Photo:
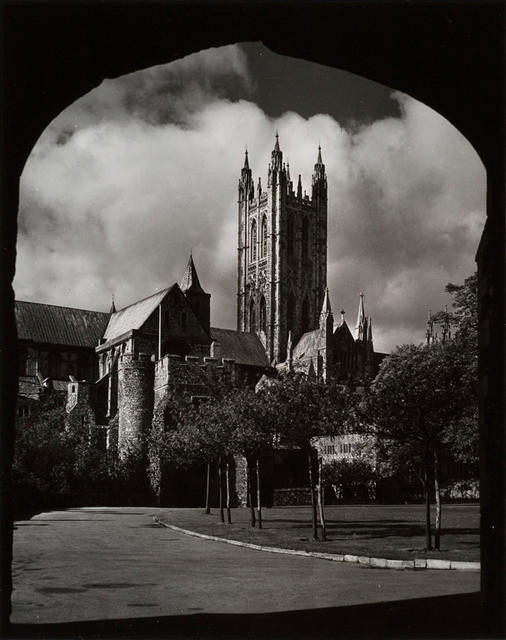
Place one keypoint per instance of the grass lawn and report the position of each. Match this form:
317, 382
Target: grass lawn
383, 531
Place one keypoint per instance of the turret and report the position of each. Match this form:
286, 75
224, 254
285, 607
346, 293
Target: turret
361, 320
429, 330
197, 298
327, 330
319, 178
246, 189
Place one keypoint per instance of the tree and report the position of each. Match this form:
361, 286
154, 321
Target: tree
305, 409
350, 478
462, 432
418, 392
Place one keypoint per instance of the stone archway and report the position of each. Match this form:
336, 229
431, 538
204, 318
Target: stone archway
449, 57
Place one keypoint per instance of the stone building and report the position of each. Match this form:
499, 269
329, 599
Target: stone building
116, 367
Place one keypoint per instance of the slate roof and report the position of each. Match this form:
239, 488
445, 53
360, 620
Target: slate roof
49, 324
135, 315
190, 280
28, 386
308, 345
244, 348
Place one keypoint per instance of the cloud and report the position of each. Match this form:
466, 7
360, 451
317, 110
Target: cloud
127, 180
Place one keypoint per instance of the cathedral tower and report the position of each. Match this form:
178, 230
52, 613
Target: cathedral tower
282, 254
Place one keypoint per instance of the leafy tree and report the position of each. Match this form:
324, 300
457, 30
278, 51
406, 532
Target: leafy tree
350, 478
305, 409
418, 392
462, 432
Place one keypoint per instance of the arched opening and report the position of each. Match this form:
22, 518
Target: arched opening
253, 242
263, 238
305, 315
263, 315
252, 315
488, 273
305, 240
291, 310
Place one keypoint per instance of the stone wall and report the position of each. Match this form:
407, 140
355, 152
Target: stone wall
135, 403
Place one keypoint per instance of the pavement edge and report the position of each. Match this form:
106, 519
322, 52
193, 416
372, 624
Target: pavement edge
383, 563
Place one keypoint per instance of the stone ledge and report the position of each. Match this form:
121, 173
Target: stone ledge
384, 563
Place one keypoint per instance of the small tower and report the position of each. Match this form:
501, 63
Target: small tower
197, 298
327, 332
361, 327
429, 331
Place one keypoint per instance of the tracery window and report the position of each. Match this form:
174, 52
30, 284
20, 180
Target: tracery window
305, 314
263, 238
305, 239
263, 315
252, 319
290, 312
290, 235
253, 241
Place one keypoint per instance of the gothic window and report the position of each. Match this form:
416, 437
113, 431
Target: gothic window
252, 319
290, 313
305, 239
263, 238
253, 241
305, 315
289, 235
263, 315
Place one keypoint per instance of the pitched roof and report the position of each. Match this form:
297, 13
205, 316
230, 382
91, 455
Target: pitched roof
49, 324
244, 348
135, 315
308, 345
190, 279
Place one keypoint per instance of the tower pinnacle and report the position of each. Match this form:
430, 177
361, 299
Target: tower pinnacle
190, 279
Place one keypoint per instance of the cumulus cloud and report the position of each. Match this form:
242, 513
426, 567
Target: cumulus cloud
127, 180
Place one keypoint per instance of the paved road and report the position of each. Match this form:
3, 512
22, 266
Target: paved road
116, 564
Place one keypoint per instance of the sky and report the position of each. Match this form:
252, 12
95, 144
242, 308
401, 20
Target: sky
131, 177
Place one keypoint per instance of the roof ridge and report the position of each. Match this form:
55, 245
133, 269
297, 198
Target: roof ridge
167, 289
59, 306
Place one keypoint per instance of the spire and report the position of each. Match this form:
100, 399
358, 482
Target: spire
360, 318
429, 332
190, 279
343, 321
326, 316
246, 163
299, 188
326, 302
319, 161
277, 156
287, 170
369, 330
319, 178
113, 306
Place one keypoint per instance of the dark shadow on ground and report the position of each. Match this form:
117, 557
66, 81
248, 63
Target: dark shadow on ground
456, 616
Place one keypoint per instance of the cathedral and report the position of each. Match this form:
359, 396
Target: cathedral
116, 367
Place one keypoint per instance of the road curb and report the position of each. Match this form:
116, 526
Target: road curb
383, 563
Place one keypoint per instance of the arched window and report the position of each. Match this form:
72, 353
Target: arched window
252, 319
305, 239
290, 313
305, 315
263, 315
253, 241
263, 238
289, 235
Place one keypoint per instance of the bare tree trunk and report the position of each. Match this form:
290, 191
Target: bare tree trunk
220, 490
208, 489
227, 484
321, 501
437, 491
428, 537
313, 501
249, 480
259, 498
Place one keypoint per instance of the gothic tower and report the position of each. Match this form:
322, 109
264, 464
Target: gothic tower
282, 254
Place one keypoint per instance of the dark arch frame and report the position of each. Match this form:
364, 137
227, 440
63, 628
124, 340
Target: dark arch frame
449, 56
